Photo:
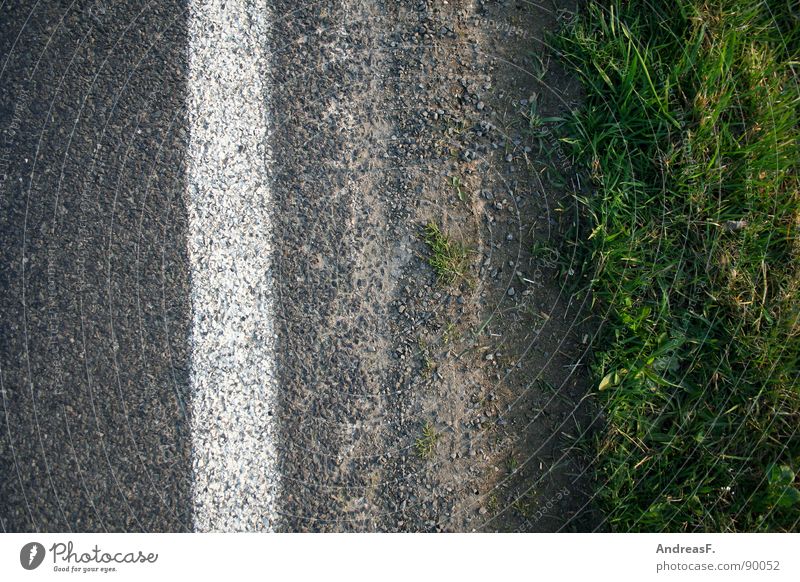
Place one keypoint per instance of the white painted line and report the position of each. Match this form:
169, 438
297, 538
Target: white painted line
230, 244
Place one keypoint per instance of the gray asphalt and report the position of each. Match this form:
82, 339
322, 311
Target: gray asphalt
94, 306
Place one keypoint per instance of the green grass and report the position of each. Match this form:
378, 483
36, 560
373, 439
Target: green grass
455, 182
425, 444
689, 131
447, 258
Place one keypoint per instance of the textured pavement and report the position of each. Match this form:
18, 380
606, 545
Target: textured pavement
94, 292
216, 306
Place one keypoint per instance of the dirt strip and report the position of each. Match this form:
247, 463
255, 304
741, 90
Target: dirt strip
408, 404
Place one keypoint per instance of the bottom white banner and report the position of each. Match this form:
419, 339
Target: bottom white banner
460, 557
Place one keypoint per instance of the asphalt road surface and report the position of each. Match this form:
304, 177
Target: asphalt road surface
217, 311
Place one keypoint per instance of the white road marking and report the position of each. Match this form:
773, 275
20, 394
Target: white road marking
230, 245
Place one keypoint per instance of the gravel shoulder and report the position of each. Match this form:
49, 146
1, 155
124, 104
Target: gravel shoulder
390, 116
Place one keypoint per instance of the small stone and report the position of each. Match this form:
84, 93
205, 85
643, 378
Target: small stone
481, 105
511, 292
735, 225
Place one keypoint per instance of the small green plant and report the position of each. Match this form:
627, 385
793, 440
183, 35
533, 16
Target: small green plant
492, 503
455, 182
426, 442
527, 504
539, 65
545, 251
448, 258
427, 362
450, 333
512, 464
781, 491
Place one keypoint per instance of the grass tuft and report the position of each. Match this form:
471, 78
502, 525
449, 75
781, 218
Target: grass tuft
447, 258
426, 442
